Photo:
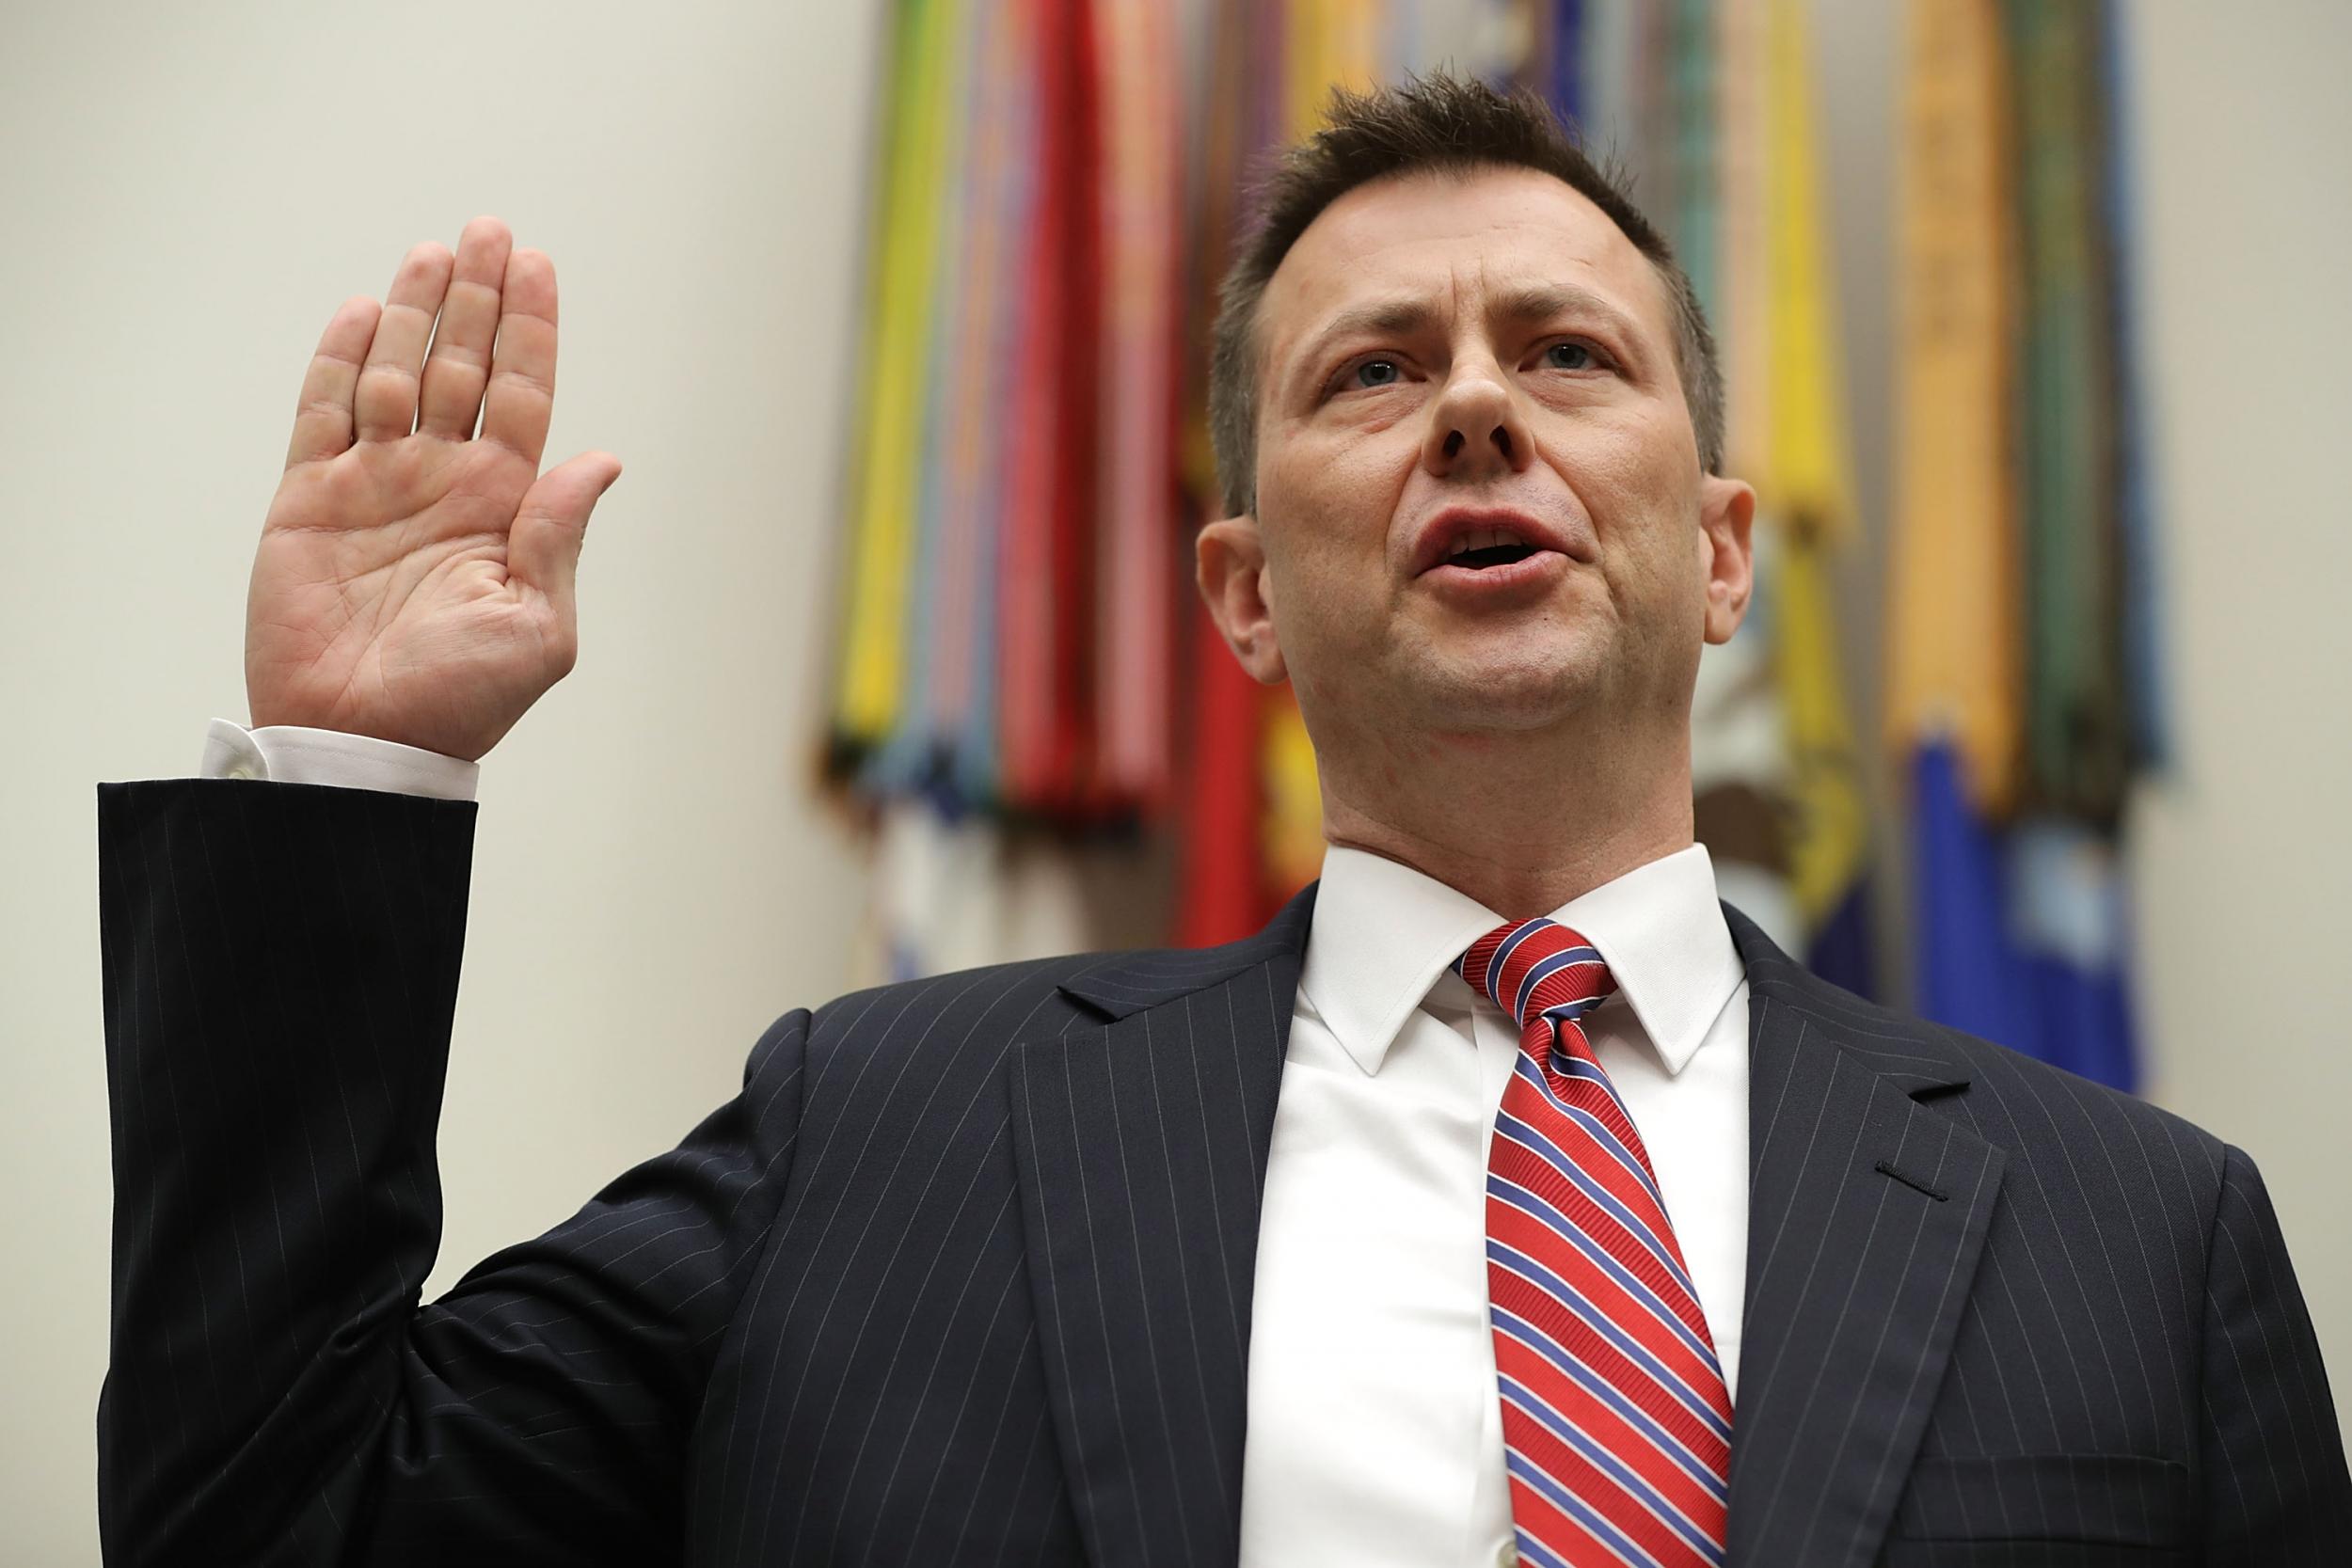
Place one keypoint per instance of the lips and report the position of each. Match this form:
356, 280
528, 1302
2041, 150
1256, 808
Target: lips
1487, 538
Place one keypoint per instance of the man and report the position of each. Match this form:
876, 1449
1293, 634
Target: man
1438, 1222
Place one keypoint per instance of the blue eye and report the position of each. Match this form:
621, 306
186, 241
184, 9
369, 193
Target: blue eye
1376, 373
1581, 360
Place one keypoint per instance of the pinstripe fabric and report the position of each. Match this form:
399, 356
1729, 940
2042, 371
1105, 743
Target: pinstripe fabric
962, 1274
1997, 1314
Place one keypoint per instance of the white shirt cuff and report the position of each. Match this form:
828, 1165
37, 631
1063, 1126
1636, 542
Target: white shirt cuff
288, 753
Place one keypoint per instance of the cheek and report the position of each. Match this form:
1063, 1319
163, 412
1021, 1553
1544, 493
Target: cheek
1328, 506
1616, 458
1631, 476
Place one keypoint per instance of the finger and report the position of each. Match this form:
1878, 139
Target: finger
322, 417
455, 373
522, 373
386, 404
543, 547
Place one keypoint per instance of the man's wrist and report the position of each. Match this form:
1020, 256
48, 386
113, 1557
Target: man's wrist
290, 753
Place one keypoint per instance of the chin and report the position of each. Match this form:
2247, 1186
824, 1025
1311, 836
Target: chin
1520, 696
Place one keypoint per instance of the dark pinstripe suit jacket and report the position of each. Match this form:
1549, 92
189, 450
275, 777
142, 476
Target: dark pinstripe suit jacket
964, 1274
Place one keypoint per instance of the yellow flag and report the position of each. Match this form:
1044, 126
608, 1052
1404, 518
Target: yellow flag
1953, 668
1328, 43
1829, 839
886, 484
1808, 481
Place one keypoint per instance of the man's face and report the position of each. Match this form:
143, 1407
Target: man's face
1480, 504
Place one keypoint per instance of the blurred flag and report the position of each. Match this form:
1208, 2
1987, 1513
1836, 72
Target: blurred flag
2009, 699
1059, 186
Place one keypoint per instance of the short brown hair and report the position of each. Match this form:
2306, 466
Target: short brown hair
1434, 124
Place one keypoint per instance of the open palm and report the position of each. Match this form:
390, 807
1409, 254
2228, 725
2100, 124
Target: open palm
414, 579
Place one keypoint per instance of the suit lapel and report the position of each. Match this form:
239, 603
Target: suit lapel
1868, 1202
1141, 1144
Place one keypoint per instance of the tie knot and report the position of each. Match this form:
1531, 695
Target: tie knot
1537, 968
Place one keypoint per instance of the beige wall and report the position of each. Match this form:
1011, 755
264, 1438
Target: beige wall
2244, 859
189, 192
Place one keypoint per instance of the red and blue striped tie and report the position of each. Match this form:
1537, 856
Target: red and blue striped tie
1616, 1423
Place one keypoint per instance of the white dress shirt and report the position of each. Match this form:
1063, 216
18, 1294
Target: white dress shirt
288, 753
1376, 1432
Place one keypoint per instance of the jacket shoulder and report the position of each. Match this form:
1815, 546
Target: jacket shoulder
1013, 1000
2080, 1131
1039, 997
2030, 1109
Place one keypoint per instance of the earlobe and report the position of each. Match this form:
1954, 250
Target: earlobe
1230, 564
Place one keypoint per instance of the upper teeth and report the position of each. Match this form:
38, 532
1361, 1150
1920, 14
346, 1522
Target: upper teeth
1485, 538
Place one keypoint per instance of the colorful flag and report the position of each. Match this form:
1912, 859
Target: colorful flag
2007, 700
1059, 185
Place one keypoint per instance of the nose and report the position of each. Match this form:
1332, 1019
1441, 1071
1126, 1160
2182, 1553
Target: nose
1477, 429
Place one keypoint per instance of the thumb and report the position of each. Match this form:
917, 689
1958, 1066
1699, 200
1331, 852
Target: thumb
543, 547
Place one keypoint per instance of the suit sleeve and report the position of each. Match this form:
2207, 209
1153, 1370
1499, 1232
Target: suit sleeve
2276, 1490
280, 972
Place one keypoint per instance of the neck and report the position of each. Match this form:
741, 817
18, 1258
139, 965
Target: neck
1520, 823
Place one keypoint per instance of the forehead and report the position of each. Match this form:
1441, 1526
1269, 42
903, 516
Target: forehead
1456, 237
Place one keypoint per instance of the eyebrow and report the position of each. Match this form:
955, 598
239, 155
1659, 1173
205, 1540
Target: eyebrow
1408, 313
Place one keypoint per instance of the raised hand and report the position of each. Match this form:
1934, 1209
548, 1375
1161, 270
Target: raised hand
414, 580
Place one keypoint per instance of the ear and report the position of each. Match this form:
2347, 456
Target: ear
1230, 565
1726, 512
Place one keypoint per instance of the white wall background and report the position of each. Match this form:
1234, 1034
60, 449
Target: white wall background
2243, 858
188, 193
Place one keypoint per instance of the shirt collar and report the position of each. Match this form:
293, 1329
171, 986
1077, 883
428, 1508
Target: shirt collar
1383, 934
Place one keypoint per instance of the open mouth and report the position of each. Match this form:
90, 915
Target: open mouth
1493, 547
